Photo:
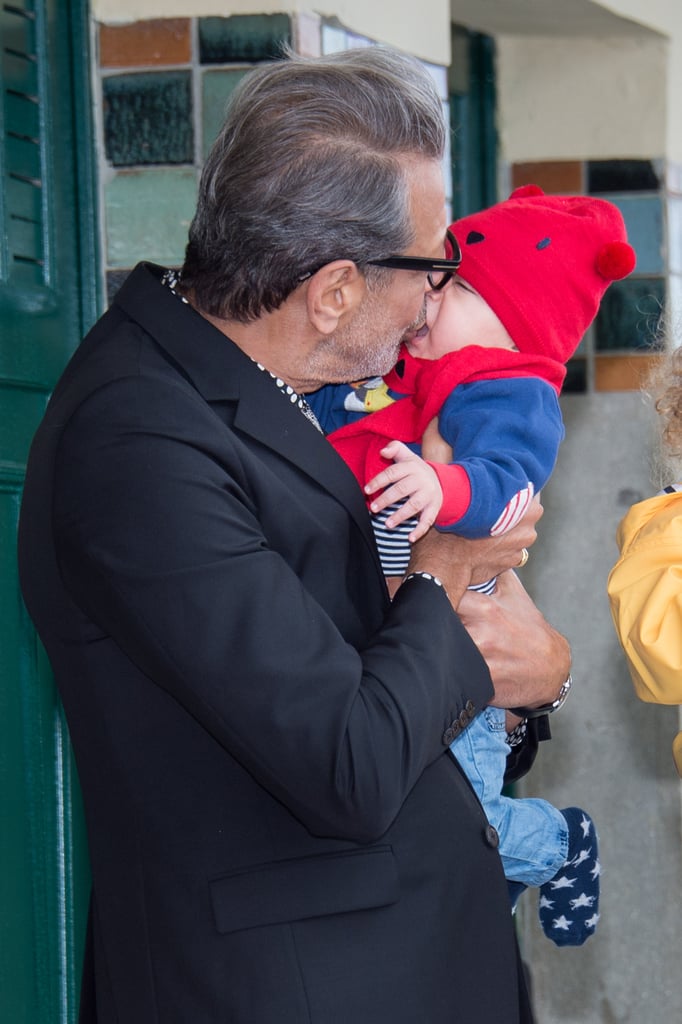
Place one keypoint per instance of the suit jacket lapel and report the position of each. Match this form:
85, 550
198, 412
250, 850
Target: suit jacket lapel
221, 372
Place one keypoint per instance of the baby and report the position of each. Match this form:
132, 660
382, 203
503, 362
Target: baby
487, 367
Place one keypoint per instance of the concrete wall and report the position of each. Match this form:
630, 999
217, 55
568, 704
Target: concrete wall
584, 77
610, 753
666, 16
567, 98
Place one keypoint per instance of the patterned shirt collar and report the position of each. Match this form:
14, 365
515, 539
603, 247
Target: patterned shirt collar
171, 279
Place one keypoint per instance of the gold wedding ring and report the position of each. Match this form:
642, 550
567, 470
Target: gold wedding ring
524, 558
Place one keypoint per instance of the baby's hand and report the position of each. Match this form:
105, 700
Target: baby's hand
409, 478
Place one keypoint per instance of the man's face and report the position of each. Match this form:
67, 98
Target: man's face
369, 343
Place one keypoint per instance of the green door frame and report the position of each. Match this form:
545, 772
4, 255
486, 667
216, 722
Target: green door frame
48, 297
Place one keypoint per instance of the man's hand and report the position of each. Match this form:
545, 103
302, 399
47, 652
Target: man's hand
459, 562
528, 659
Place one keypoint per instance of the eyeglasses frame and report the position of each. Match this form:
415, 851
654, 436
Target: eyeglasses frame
447, 267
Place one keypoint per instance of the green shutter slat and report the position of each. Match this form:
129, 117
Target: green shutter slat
43, 865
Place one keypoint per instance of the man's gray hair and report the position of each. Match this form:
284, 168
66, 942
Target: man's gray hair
309, 167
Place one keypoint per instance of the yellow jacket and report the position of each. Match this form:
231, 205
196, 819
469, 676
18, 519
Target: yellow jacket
645, 592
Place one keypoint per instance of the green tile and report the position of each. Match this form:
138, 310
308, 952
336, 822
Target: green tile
244, 37
630, 314
576, 377
644, 219
675, 235
148, 118
148, 213
217, 87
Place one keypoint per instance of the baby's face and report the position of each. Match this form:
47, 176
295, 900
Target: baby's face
456, 317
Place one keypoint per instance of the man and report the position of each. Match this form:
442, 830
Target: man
277, 832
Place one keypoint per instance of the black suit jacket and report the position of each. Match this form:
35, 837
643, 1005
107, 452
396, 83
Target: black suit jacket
277, 830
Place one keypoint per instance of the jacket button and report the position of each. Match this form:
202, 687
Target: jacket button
491, 836
451, 733
464, 719
470, 708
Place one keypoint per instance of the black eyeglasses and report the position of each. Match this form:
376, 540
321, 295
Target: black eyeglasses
439, 272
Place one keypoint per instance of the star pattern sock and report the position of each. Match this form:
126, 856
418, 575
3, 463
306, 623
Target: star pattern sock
569, 903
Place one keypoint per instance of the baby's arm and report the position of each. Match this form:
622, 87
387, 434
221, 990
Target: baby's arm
429, 490
410, 480
506, 434
431, 487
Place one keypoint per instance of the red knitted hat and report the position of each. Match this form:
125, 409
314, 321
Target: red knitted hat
543, 263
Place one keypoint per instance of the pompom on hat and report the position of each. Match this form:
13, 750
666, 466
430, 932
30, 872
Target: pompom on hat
543, 263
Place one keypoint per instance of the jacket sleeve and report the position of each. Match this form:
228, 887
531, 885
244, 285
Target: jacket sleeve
191, 550
645, 595
505, 435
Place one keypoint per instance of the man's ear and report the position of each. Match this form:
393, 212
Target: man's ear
334, 291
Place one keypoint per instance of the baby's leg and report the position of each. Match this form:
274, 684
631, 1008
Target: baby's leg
533, 834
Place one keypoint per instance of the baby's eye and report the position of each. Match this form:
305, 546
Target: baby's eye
463, 285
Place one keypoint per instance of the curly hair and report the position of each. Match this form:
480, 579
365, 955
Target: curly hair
665, 387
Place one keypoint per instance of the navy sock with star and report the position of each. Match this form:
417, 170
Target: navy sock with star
569, 903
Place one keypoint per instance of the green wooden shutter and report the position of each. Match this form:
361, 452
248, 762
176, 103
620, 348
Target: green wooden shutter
45, 300
472, 97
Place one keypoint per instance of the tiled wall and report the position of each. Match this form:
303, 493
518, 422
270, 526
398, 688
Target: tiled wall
164, 86
618, 351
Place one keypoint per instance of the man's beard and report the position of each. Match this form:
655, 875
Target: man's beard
367, 347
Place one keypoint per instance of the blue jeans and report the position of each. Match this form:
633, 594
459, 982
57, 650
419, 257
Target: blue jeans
533, 833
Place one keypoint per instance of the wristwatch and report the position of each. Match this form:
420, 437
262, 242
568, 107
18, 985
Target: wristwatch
546, 709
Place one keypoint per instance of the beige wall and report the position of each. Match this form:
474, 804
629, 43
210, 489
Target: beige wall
616, 94
662, 15
568, 98
404, 25
585, 77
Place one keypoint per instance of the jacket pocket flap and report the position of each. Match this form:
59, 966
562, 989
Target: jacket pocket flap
292, 890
